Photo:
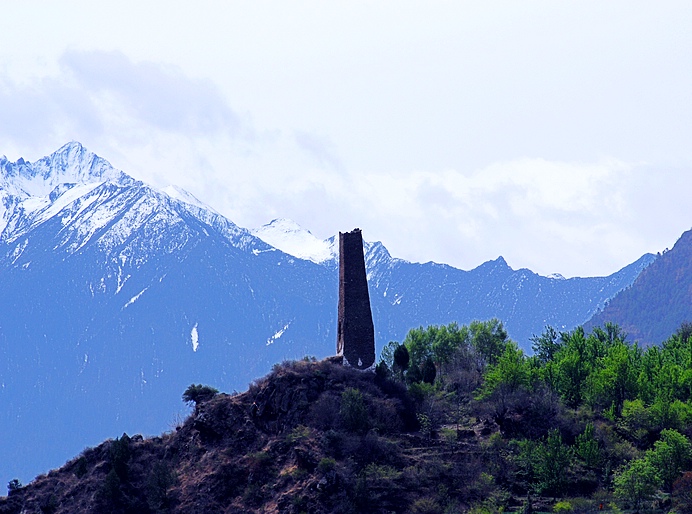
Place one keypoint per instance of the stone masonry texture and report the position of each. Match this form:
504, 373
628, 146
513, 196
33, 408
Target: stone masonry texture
355, 331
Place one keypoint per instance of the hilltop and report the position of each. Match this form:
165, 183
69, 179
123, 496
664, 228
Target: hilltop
457, 419
282, 446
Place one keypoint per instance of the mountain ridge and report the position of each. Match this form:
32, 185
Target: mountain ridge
658, 301
114, 296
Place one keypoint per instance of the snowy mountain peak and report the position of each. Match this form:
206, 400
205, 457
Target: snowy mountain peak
70, 164
291, 238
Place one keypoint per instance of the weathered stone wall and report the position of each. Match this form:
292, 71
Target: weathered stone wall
355, 331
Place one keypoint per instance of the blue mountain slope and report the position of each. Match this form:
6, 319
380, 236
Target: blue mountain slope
114, 297
405, 293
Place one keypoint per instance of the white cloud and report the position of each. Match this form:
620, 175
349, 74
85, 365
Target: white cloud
412, 122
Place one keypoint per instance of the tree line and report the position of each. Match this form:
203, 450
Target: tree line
586, 415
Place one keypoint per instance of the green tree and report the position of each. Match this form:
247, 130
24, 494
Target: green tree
637, 482
198, 393
488, 339
671, 454
401, 360
573, 366
418, 342
553, 460
587, 448
614, 378
448, 341
428, 371
546, 345
510, 374
387, 353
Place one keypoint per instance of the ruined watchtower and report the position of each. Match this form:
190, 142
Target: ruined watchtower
355, 338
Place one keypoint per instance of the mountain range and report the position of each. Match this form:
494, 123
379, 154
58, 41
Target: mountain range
114, 296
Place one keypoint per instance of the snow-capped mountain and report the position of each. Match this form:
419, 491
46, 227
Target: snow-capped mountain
115, 296
291, 238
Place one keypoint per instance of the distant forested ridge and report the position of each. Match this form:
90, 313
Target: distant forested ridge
658, 301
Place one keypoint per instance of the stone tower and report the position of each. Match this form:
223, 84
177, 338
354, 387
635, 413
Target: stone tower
355, 330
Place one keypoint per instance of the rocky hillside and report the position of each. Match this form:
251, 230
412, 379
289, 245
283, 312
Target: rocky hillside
310, 437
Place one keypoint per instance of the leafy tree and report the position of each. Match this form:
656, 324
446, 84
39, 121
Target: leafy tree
637, 482
387, 353
510, 371
614, 378
506, 384
635, 420
448, 341
573, 366
546, 345
587, 448
428, 371
488, 339
418, 342
671, 454
198, 393
553, 459
401, 359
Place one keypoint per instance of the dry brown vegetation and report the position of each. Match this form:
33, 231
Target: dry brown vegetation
296, 441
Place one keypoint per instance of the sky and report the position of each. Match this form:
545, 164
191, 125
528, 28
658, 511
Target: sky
557, 134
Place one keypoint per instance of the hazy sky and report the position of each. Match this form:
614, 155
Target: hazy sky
555, 133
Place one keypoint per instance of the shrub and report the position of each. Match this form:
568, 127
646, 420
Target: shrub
160, 479
298, 434
324, 413
425, 506
198, 393
119, 453
109, 493
13, 486
49, 505
80, 468
682, 493
353, 412
326, 466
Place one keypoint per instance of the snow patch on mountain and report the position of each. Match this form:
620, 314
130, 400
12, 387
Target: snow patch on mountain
178, 193
135, 298
278, 334
291, 238
194, 336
